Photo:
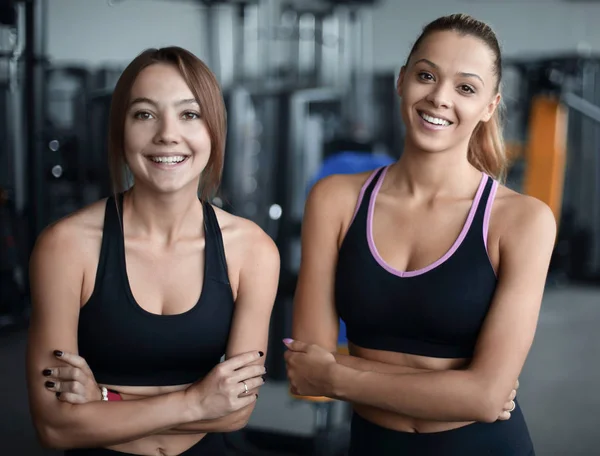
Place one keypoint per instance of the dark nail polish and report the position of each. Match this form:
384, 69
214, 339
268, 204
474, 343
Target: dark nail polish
261, 354
58, 394
46, 372
256, 396
49, 384
58, 353
264, 379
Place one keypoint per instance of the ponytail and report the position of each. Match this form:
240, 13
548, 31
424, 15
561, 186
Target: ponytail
486, 151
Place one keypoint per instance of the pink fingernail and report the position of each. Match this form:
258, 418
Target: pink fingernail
288, 341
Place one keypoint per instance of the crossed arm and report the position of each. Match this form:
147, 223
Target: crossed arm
77, 385
56, 278
475, 393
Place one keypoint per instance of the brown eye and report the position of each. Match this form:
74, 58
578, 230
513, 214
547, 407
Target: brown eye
142, 115
425, 76
467, 89
190, 115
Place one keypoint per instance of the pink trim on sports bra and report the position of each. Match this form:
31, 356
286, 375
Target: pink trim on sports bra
437, 263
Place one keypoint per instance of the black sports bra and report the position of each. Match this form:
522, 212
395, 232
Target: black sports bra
436, 311
127, 345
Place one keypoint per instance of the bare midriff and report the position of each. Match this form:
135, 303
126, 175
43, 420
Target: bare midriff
396, 421
158, 444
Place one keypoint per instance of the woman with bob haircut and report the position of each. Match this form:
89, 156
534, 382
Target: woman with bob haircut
151, 308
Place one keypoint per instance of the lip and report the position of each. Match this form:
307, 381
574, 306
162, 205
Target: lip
166, 165
431, 127
166, 154
431, 114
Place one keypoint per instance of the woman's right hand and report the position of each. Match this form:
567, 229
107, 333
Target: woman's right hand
74, 383
222, 391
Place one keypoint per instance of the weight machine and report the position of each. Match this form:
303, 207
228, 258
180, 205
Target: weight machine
560, 160
283, 122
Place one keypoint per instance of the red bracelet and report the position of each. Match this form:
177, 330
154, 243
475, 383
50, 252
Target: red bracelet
113, 396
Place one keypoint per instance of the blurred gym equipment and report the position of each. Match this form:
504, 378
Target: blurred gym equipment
69, 179
285, 120
13, 301
559, 162
283, 123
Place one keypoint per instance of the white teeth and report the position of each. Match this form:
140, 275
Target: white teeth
434, 120
170, 159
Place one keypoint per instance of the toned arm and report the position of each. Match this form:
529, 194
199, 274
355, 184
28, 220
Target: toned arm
367, 365
233, 422
56, 275
259, 277
315, 319
478, 392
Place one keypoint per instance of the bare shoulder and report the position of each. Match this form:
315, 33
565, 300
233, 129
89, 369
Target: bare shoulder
332, 201
74, 234
338, 190
521, 215
64, 253
246, 239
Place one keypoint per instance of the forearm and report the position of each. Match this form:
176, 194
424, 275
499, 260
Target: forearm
366, 365
452, 395
229, 423
100, 424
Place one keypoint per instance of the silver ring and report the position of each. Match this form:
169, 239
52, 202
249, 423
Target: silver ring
245, 387
514, 405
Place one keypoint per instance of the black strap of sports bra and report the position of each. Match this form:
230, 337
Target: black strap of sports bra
111, 212
215, 251
216, 263
483, 200
363, 209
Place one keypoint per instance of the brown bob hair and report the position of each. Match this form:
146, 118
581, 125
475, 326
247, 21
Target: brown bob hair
207, 92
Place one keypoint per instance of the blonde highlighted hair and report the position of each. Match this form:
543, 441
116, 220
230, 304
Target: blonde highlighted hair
486, 151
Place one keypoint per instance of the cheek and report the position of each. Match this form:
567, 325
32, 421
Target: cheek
135, 134
412, 93
199, 138
470, 113
129, 139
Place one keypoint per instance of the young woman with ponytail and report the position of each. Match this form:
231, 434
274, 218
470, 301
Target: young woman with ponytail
435, 267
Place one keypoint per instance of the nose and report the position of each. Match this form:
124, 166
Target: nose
440, 96
168, 131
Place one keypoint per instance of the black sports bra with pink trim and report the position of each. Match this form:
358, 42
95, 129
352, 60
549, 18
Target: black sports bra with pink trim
436, 311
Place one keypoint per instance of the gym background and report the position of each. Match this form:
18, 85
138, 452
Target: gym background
309, 87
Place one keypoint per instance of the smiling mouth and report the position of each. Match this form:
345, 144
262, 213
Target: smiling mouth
434, 120
167, 159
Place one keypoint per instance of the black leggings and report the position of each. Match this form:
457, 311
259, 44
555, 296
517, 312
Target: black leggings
502, 438
210, 445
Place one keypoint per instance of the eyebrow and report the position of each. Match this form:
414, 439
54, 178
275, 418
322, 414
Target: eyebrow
464, 75
140, 100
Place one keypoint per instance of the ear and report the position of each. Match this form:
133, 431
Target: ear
491, 107
400, 81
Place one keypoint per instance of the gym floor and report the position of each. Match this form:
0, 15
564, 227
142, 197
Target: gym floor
558, 393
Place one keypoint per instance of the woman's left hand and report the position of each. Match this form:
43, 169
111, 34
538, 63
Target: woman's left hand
309, 368
74, 383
